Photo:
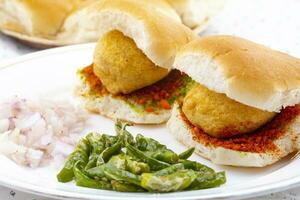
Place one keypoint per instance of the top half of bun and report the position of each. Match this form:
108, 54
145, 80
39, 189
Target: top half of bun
247, 72
153, 25
149, 23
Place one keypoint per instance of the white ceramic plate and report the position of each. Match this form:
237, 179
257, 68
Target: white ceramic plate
52, 73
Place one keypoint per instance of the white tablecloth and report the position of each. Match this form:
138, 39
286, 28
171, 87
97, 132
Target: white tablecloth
275, 23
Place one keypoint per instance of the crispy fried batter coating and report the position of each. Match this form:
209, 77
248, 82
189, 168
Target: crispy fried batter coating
122, 66
220, 116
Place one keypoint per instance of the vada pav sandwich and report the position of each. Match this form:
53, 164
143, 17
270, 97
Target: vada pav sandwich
131, 77
36, 21
243, 108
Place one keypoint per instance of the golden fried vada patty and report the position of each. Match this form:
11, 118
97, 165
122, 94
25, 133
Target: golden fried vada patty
122, 66
220, 116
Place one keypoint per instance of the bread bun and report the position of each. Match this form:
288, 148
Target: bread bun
246, 72
83, 25
149, 105
196, 14
116, 108
153, 25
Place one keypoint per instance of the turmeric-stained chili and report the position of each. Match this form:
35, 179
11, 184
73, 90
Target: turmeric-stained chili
259, 141
160, 95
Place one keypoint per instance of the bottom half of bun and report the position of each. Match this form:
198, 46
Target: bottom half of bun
263, 147
149, 105
117, 108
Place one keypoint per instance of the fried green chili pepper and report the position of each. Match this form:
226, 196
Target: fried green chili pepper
119, 161
84, 181
186, 154
166, 156
81, 154
153, 163
98, 145
109, 140
113, 173
169, 183
148, 144
155, 149
96, 172
169, 170
123, 134
126, 187
197, 167
204, 182
136, 167
108, 152
127, 164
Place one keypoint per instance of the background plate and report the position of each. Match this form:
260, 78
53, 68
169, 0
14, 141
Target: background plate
52, 73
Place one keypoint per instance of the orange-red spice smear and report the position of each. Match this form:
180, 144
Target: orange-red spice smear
160, 93
259, 141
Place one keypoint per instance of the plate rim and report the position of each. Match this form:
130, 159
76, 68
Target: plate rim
59, 194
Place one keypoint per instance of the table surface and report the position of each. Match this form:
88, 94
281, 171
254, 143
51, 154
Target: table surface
275, 23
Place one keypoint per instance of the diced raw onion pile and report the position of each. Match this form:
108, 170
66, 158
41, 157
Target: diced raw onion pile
32, 133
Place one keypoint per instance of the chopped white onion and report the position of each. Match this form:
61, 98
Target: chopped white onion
34, 132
